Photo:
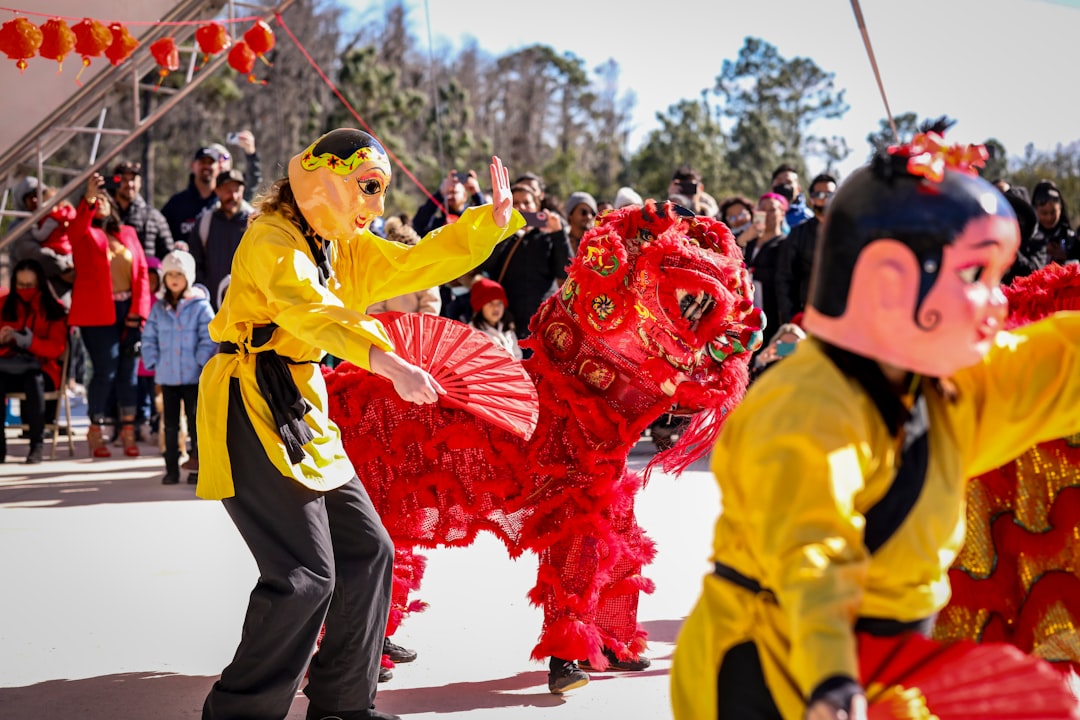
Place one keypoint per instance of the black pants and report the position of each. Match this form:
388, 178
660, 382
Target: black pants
320, 556
171, 397
31, 410
741, 691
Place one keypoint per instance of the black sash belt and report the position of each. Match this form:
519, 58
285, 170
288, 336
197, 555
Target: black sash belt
882, 627
735, 577
277, 386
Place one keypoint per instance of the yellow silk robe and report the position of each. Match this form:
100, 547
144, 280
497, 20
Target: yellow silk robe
275, 280
800, 461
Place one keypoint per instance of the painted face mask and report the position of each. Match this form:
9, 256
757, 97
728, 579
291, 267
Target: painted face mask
340, 182
912, 255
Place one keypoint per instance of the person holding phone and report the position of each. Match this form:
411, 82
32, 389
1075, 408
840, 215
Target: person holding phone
783, 344
762, 255
686, 181
458, 191
532, 264
110, 301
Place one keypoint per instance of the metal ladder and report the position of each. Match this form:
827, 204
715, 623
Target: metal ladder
92, 102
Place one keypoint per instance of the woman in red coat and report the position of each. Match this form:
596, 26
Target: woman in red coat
109, 303
33, 336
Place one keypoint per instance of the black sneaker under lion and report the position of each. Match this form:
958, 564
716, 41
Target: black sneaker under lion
397, 653
565, 675
615, 664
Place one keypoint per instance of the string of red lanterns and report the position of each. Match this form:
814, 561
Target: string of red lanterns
22, 40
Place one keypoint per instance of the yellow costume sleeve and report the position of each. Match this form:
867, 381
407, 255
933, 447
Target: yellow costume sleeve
812, 553
1026, 391
374, 269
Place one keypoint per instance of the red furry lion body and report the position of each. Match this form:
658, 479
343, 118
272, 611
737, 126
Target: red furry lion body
656, 312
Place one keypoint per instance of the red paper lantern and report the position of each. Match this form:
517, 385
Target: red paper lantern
242, 60
19, 40
57, 41
123, 44
167, 56
260, 38
91, 40
212, 39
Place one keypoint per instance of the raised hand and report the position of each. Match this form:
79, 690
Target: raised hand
95, 185
501, 197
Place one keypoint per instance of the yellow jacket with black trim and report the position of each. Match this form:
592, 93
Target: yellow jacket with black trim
275, 280
799, 463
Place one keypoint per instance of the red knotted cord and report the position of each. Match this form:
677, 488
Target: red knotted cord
330, 84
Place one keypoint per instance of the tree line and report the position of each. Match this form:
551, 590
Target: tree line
542, 110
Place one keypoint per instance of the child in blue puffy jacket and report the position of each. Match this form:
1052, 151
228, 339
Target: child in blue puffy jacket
175, 345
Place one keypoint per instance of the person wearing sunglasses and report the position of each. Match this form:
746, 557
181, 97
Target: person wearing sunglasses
737, 212
797, 254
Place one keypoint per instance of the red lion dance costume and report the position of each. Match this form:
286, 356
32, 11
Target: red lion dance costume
656, 313
1017, 578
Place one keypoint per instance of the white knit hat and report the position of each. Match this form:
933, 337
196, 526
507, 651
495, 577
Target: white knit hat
182, 262
626, 196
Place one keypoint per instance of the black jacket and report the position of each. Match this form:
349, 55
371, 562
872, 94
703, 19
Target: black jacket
763, 265
183, 207
150, 225
793, 271
214, 255
530, 268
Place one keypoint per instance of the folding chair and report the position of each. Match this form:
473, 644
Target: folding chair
63, 403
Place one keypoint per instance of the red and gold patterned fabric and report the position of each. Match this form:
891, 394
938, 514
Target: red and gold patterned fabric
1017, 578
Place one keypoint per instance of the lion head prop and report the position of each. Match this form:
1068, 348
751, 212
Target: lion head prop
656, 314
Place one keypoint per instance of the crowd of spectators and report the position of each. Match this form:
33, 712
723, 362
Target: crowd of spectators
117, 241
110, 285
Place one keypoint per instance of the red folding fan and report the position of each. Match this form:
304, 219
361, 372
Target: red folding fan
478, 376
912, 677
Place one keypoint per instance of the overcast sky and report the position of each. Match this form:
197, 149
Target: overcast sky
1003, 68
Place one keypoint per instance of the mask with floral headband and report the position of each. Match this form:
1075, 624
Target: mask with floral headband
912, 253
340, 182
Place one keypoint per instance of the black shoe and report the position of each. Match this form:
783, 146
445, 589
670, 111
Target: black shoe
171, 478
34, 456
615, 664
317, 713
193, 478
564, 676
397, 653
385, 674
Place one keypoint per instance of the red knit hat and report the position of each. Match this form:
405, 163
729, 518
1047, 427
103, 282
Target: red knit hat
484, 291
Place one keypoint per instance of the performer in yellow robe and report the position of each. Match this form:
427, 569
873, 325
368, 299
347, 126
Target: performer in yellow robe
842, 472
301, 278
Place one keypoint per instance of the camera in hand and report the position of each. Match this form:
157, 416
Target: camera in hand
688, 188
535, 219
461, 177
